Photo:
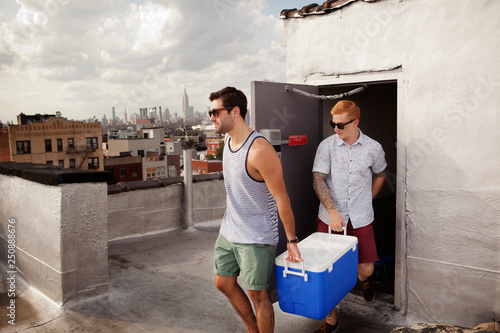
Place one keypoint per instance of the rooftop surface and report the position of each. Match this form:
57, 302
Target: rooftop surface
165, 283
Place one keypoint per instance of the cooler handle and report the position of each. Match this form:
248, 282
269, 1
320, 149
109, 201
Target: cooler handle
345, 234
286, 271
344, 228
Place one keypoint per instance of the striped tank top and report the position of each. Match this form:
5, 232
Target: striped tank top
251, 215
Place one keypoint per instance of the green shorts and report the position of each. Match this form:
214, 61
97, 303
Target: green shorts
255, 261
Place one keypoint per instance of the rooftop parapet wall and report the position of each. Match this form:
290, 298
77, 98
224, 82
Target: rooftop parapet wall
60, 229
146, 207
64, 220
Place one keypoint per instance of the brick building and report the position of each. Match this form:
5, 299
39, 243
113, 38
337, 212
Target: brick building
213, 144
57, 141
203, 167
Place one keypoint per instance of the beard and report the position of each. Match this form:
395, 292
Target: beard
224, 127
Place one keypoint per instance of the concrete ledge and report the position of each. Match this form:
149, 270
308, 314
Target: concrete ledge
160, 182
143, 185
53, 175
208, 176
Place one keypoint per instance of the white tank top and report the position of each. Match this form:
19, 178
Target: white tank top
251, 215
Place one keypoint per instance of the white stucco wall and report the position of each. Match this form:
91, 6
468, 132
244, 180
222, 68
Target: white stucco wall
155, 210
445, 55
60, 234
142, 212
209, 201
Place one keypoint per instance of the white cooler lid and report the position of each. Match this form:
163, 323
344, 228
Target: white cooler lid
320, 250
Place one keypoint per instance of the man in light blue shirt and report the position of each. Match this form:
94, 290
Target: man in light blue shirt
348, 172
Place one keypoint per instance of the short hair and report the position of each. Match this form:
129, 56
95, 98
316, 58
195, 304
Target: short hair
231, 97
344, 106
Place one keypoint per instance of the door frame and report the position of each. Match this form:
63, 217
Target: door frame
400, 292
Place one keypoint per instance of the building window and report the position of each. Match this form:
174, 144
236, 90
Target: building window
135, 171
48, 146
61, 163
72, 163
140, 153
50, 162
91, 143
172, 171
23, 147
204, 170
59, 145
71, 144
93, 163
123, 173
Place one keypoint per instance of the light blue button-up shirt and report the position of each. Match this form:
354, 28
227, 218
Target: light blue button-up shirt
349, 170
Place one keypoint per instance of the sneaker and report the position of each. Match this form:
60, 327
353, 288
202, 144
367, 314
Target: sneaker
327, 328
368, 292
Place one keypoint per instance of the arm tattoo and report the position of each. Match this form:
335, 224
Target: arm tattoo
380, 174
319, 184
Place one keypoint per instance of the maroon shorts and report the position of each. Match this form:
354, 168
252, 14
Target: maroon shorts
367, 249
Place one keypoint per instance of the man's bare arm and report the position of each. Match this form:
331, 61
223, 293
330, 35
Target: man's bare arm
263, 163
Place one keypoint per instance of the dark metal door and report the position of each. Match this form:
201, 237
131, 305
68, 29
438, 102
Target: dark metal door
294, 115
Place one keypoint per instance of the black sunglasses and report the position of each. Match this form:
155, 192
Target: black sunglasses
340, 125
215, 112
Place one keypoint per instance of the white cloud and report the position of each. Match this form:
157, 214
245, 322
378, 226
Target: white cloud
92, 55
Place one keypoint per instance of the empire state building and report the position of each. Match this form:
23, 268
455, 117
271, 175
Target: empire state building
185, 106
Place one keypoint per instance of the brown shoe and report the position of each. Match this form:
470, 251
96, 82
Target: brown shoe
327, 328
368, 291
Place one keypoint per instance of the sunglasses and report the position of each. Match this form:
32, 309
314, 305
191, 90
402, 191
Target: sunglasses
215, 112
340, 125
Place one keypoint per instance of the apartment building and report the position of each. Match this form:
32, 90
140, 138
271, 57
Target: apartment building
149, 140
213, 144
202, 167
56, 141
160, 166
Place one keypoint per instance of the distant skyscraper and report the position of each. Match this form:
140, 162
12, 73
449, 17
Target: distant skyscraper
185, 104
125, 118
168, 117
113, 120
161, 116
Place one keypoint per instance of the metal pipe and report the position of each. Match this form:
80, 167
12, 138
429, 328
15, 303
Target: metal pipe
330, 97
188, 188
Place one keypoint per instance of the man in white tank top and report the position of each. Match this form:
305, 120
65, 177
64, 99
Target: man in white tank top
256, 193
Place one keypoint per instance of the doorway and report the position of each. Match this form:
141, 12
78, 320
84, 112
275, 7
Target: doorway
378, 104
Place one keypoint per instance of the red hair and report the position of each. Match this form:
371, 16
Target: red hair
344, 106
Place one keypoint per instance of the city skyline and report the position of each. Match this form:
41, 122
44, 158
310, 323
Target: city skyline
83, 58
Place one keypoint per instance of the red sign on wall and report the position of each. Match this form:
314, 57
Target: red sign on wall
297, 140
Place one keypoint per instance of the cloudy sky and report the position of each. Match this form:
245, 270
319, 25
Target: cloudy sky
84, 57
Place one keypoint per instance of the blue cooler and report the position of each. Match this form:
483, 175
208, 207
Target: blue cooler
313, 287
